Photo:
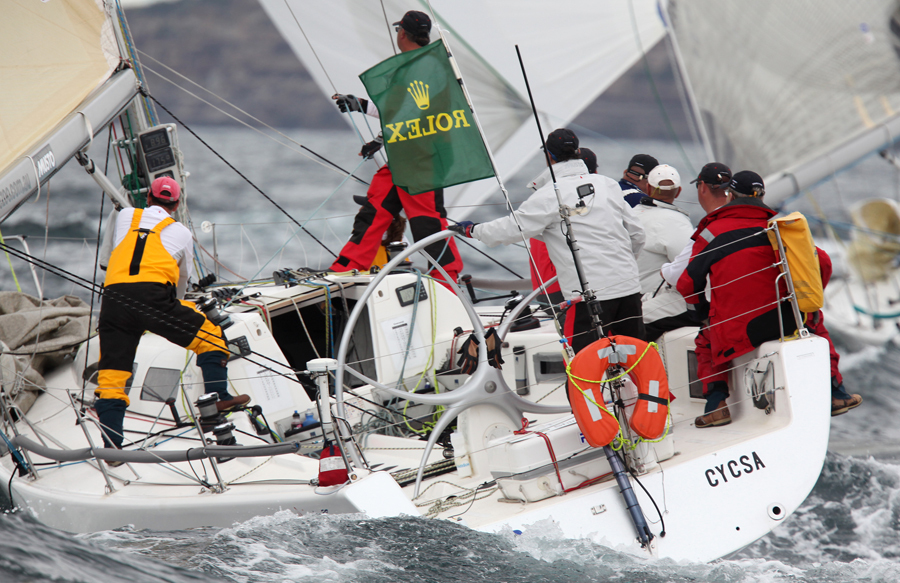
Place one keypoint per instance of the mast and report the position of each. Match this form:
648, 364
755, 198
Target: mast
686, 81
782, 186
41, 161
61, 94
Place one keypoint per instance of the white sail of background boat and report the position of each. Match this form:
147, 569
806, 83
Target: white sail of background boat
798, 91
513, 459
795, 90
573, 51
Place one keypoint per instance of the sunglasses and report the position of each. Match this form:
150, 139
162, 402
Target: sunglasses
637, 175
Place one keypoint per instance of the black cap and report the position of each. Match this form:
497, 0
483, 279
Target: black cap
590, 160
644, 161
748, 183
562, 143
415, 23
714, 174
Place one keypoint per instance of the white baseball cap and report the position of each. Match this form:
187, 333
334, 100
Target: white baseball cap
664, 172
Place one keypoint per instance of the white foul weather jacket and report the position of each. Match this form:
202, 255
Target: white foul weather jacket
608, 232
668, 229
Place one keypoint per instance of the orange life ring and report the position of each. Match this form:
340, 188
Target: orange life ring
644, 366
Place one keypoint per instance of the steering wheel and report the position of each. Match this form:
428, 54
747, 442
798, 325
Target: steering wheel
484, 387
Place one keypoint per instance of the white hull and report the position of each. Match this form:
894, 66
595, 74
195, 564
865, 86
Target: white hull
861, 315
733, 484
711, 512
376, 495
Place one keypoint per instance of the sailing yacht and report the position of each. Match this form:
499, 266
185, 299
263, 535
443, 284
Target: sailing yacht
358, 403
798, 92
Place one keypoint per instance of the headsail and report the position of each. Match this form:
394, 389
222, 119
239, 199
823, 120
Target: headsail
574, 49
59, 58
793, 89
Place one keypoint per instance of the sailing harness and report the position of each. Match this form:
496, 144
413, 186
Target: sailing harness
141, 256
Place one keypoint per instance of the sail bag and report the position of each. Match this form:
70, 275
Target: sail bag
802, 259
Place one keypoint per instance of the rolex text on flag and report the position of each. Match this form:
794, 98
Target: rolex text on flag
430, 136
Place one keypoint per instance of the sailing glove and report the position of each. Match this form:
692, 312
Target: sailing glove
369, 149
492, 340
347, 103
468, 360
464, 228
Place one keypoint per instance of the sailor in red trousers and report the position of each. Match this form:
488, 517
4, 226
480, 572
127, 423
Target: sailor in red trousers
732, 250
841, 400
384, 199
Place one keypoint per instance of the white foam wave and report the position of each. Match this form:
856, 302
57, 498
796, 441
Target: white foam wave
866, 356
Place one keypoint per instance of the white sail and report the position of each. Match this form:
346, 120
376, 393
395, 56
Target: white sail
58, 59
573, 50
793, 89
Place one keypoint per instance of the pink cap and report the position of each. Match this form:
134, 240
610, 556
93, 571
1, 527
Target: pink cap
165, 188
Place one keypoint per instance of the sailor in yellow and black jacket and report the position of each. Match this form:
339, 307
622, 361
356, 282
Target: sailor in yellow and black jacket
147, 272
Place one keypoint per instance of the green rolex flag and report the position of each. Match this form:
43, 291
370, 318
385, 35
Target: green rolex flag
429, 133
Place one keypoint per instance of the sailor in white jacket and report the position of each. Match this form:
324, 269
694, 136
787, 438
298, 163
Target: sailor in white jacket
668, 229
608, 234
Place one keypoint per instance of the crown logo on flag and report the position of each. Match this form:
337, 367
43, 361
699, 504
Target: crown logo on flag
419, 92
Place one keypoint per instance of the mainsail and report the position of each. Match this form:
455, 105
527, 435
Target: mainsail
793, 89
573, 51
58, 87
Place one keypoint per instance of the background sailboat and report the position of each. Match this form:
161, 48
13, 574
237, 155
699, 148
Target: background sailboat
796, 90
799, 91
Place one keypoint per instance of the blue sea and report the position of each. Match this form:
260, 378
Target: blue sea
847, 530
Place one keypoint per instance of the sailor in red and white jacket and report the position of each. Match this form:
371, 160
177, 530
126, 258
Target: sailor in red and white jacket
731, 248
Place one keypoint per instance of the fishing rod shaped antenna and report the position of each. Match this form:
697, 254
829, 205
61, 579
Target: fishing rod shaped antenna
631, 502
537, 119
589, 297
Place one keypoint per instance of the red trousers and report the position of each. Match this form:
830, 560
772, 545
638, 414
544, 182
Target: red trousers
706, 370
816, 324
545, 267
384, 201
709, 373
